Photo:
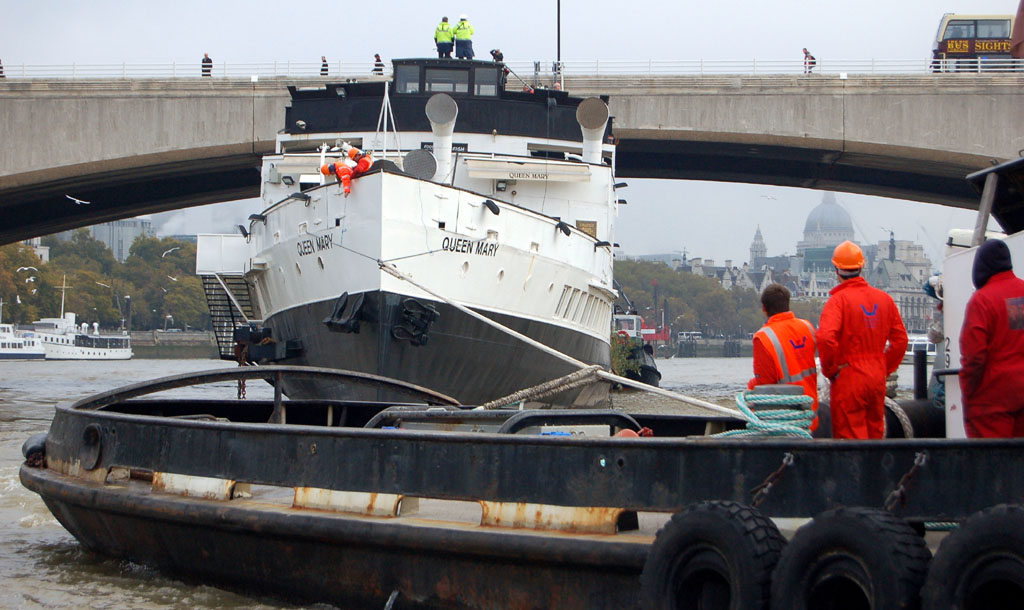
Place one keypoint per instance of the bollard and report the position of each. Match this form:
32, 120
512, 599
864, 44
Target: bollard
920, 375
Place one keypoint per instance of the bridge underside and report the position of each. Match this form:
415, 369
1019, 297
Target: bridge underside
44, 208
827, 170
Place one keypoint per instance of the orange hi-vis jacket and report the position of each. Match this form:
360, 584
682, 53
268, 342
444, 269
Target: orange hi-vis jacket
784, 353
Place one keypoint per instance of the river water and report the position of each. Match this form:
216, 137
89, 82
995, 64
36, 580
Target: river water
42, 566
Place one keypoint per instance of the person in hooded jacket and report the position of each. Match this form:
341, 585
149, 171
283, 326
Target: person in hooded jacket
861, 340
992, 347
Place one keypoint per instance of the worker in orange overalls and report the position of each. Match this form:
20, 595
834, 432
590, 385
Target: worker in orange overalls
356, 162
856, 325
784, 347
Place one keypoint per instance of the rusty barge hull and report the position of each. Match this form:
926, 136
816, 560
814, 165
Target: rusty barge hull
505, 520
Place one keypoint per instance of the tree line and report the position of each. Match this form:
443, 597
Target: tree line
688, 302
156, 286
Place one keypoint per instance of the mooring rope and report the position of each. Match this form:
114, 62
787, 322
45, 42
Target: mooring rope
555, 386
775, 422
392, 270
901, 415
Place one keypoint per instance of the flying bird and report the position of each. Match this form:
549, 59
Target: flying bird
30, 279
17, 299
102, 284
20, 269
173, 279
34, 291
78, 201
164, 289
169, 251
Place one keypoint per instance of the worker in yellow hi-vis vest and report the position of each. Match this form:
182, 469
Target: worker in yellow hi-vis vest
463, 38
443, 37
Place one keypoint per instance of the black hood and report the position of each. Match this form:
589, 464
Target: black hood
993, 256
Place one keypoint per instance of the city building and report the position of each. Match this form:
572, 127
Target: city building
118, 235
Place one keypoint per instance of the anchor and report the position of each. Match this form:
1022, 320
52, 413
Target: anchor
416, 321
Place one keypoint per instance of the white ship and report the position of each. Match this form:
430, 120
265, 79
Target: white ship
499, 201
14, 346
63, 339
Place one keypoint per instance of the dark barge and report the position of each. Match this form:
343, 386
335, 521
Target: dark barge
432, 505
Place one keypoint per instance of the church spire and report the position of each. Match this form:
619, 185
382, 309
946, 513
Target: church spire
758, 249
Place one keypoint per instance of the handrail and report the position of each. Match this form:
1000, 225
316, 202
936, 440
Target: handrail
535, 72
275, 372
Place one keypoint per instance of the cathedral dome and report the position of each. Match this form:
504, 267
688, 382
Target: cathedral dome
829, 216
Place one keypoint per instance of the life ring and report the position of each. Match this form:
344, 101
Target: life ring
717, 555
981, 564
869, 557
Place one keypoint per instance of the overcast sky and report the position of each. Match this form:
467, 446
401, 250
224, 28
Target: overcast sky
709, 220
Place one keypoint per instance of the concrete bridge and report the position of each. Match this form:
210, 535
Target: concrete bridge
135, 146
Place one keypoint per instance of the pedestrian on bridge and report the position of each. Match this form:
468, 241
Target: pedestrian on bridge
323, 65
207, 65
861, 341
378, 65
809, 61
2, 70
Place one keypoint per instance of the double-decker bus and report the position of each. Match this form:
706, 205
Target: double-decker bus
972, 43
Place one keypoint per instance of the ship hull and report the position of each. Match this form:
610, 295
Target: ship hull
462, 356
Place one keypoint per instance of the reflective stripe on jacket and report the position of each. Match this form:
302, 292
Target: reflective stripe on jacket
443, 33
788, 342
463, 31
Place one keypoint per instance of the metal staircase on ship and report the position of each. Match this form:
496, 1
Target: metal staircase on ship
229, 298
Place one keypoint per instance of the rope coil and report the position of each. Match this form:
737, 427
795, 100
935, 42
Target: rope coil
774, 422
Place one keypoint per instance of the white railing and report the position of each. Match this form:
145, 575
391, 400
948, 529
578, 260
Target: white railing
528, 70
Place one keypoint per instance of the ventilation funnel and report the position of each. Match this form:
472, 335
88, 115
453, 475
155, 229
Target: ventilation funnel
441, 112
592, 115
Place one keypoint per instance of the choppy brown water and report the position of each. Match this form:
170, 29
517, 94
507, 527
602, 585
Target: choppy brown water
43, 566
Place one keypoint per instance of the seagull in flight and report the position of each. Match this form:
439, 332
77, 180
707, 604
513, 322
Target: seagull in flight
169, 251
78, 201
102, 284
20, 269
173, 279
30, 279
34, 291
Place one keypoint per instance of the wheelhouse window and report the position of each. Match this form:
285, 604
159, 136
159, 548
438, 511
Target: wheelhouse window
447, 81
486, 82
407, 79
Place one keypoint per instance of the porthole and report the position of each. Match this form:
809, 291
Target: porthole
464, 269
320, 261
298, 269
501, 274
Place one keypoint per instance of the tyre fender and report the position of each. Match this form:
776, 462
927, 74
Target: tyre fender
869, 557
981, 564
716, 555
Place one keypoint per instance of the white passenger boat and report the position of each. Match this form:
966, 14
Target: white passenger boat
14, 346
63, 339
489, 202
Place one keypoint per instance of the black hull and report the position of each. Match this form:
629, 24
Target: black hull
462, 357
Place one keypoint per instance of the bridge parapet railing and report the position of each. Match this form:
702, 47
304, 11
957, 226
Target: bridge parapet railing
530, 71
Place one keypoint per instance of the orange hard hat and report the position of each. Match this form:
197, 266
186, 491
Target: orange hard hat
848, 255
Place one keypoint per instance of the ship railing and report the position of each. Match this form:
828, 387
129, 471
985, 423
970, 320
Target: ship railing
535, 70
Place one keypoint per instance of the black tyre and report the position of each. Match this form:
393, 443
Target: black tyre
712, 556
981, 565
851, 559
